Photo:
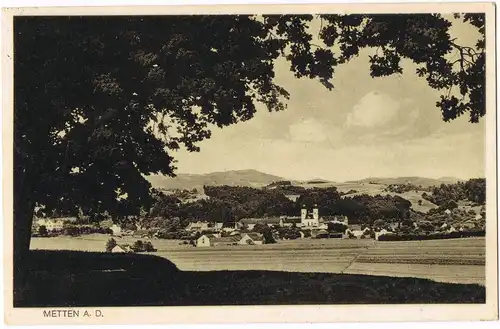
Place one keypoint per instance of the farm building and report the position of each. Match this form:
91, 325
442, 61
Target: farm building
217, 226
251, 238
354, 227
123, 248
356, 233
286, 221
228, 229
339, 219
205, 240
451, 230
51, 224
210, 240
380, 233
323, 226
292, 197
197, 226
251, 222
116, 229
319, 234
66, 219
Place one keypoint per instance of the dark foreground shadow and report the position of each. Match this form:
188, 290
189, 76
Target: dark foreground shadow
67, 278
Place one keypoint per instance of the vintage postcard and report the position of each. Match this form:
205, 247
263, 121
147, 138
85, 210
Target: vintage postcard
288, 163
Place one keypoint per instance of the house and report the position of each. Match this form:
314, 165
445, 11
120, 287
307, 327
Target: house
228, 229
218, 226
356, 233
197, 226
451, 230
286, 221
380, 233
393, 226
469, 225
319, 234
447, 211
292, 197
339, 219
205, 240
51, 224
66, 219
354, 227
323, 226
123, 248
116, 229
251, 222
251, 238
211, 240
225, 241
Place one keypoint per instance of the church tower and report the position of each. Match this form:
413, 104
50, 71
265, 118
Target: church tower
303, 213
316, 213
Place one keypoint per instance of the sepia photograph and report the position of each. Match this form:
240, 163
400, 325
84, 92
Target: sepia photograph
287, 156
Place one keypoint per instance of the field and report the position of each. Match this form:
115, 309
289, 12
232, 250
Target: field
453, 261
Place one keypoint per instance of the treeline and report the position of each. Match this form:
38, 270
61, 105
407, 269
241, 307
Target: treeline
402, 188
230, 203
431, 236
473, 190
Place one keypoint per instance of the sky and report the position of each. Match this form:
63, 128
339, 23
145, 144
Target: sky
364, 127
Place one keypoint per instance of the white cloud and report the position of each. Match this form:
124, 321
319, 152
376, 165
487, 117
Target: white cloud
374, 109
309, 130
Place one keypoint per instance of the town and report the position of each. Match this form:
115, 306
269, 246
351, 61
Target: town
451, 220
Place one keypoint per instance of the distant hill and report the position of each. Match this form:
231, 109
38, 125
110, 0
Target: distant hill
254, 178
317, 181
424, 182
250, 178
450, 180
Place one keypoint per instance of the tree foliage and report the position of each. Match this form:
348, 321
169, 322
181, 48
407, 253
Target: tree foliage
99, 102
42, 231
473, 190
110, 244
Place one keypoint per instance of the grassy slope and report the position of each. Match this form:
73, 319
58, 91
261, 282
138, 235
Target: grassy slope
69, 278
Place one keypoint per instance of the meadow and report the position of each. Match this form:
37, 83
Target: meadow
453, 261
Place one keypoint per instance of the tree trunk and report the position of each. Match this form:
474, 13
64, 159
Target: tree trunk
24, 207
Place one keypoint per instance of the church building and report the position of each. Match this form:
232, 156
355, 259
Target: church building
309, 218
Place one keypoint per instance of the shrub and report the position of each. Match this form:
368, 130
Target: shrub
110, 245
42, 230
138, 246
336, 227
148, 247
268, 237
432, 236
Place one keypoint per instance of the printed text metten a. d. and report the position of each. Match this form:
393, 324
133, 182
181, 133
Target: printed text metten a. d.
69, 313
